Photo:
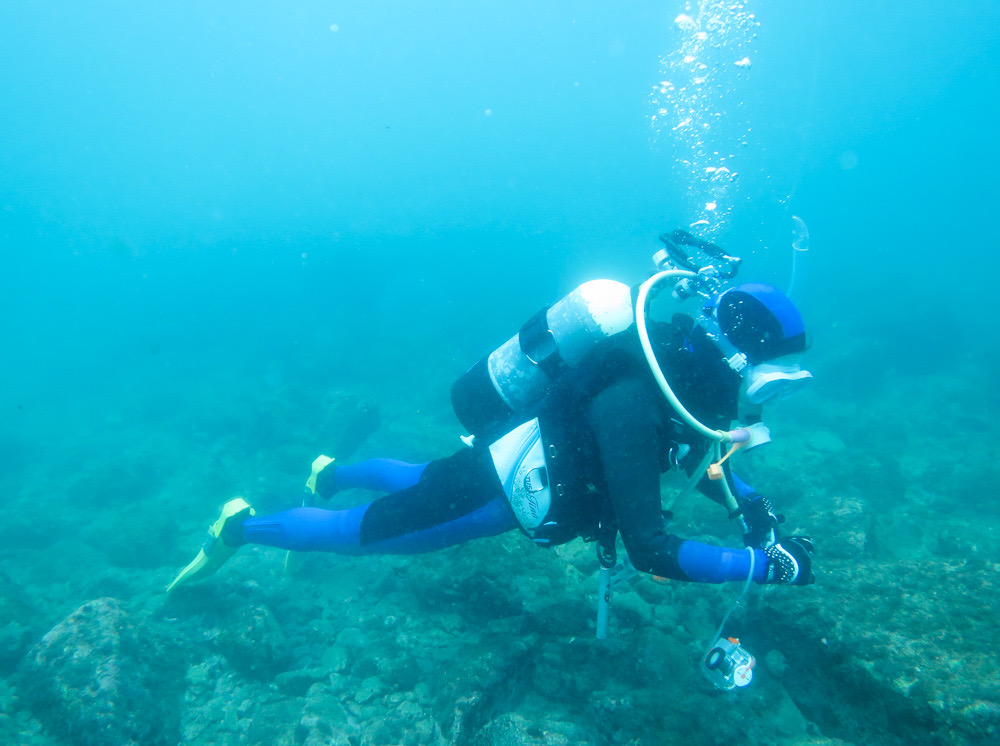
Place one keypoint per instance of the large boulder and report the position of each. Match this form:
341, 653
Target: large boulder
93, 678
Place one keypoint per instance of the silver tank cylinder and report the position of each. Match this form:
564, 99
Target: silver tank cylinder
594, 311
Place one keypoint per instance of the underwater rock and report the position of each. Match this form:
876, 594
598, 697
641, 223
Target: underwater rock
658, 655
90, 679
298, 682
981, 721
574, 615
334, 659
776, 663
893, 652
352, 637
825, 442
491, 681
847, 528
253, 642
325, 721
509, 729
370, 688
18, 623
221, 707
540, 723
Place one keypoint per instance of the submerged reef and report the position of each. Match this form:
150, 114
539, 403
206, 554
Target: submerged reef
96, 678
493, 643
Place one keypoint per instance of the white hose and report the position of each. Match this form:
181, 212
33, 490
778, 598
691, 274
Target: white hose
736, 603
640, 321
717, 436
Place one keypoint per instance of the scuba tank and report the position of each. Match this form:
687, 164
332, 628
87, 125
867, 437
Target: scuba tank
496, 393
516, 375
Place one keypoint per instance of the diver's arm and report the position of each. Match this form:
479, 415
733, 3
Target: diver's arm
627, 423
758, 518
624, 419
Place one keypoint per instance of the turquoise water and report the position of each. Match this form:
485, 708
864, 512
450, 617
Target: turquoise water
224, 226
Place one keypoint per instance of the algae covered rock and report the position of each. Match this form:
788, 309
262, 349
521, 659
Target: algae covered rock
509, 729
325, 720
90, 678
893, 653
219, 706
252, 641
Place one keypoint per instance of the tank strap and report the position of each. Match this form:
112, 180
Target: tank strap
539, 345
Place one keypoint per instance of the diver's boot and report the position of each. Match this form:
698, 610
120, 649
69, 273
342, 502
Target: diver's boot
216, 550
321, 482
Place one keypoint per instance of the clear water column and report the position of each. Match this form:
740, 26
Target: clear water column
697, 106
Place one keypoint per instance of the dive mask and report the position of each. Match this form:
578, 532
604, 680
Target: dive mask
776, 378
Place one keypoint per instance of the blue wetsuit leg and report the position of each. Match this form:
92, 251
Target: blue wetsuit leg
339, 531
451, 501
379, 475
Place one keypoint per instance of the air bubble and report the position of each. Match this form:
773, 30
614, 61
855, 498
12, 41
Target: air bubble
701, 84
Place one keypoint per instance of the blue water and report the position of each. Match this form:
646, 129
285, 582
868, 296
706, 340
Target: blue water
160, 164
209, 204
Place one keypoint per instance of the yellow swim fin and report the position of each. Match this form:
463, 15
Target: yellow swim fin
308, 501
318, 464
215, 551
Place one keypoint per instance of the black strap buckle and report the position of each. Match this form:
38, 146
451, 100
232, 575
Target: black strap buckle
538, 344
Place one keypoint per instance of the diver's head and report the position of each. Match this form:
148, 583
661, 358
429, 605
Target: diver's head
762, 336
761, 322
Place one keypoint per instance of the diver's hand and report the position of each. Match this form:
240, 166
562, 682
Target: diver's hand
762, 523
790, 561
321, 480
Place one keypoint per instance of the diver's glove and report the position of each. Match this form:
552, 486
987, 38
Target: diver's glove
790, 561
761, 522
323, 481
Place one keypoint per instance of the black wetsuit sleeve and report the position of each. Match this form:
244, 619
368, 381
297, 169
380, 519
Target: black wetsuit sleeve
628, 424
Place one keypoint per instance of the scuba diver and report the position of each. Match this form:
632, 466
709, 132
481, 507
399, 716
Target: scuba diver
573, 420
